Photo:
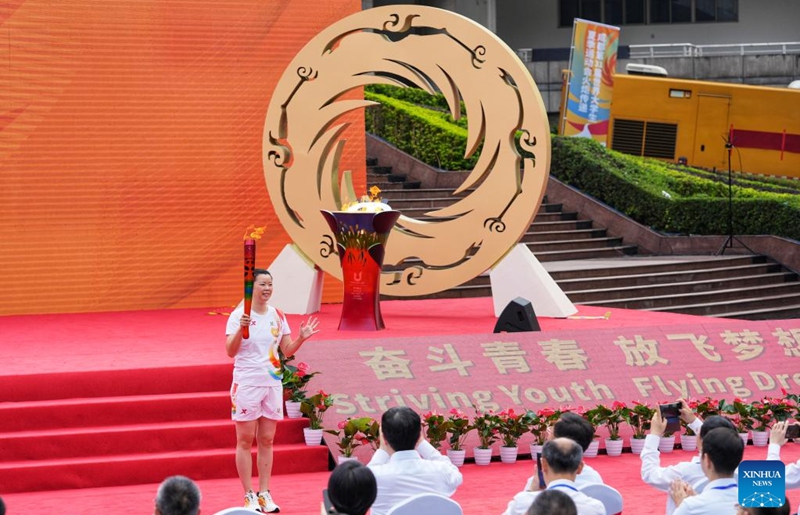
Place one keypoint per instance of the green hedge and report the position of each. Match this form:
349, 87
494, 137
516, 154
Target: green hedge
667, 200
420, 132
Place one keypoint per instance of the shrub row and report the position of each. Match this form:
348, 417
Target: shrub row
420, 132
668, 200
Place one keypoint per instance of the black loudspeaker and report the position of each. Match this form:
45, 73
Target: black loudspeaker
517, 317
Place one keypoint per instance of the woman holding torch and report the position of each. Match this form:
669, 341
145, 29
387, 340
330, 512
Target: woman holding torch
257, 392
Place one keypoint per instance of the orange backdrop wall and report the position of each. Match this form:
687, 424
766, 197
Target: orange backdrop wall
130, 148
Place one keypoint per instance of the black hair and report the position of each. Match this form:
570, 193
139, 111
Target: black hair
724, 448
352, 488
575, 427
260, 271
713, 422
563, 455
2, 507
401, 427
553, 502
178, 495
786, 509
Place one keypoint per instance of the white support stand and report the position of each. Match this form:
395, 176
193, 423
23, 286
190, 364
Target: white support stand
519, 274
298, 283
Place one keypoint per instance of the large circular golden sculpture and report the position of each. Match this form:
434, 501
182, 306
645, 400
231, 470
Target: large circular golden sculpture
435, 50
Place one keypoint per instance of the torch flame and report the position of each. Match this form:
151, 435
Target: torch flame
254, 233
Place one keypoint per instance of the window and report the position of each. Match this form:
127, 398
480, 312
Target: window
659, 11
591, 10
634, 12
631, 12
705, 10
681, 11
727, 10
613, 11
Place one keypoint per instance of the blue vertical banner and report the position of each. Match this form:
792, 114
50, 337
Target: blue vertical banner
587, 104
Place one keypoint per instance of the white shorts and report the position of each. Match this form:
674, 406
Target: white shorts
253, 402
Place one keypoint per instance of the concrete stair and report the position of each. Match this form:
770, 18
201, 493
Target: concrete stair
596, 268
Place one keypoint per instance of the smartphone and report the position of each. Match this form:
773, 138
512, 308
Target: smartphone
671, 413
542, 486
326, 502
793, 431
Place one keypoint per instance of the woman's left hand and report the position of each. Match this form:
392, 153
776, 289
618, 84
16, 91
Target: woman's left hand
309, 328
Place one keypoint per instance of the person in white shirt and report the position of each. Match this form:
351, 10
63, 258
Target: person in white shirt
578, 429
406, 464
777, 439
553, 502
257, 391
562, 461
722, 452
689, 471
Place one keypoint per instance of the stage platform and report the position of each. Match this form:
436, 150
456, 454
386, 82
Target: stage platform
37, 344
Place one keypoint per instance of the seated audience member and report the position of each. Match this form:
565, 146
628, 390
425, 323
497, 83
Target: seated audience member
177, 495
783, 510
722, 452
562, 461
553, 502
406, 464
777, 439
689, 471
352, 488
578, 429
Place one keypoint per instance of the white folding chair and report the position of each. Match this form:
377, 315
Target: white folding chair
238, 510
609, 496
426, 504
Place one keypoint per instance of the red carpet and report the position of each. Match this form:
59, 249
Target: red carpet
114, 399
486, 490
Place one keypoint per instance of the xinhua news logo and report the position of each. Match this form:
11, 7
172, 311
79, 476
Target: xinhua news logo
762, 484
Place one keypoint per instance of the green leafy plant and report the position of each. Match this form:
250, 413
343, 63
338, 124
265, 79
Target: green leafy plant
639, 416
295, 379
352, 434
538, 423
739, 412
487, 425
458, 427
512, 426
314, 408
610, 416
436, 426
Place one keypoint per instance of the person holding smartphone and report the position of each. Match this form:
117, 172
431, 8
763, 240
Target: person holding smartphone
691, 471
781, 433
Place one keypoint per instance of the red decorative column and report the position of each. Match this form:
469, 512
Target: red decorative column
361, 243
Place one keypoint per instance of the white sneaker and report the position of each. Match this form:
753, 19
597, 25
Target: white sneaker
251, 501
266, 504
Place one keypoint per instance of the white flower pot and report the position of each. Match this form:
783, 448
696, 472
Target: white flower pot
312, 436
637, 444
456, 457
688, 442
341, 459
482, 456
666, 444
745, 436
508, 454
614, 447
293, 409
535, 447
760, 438
591, 452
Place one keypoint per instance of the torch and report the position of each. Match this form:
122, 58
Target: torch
250, 236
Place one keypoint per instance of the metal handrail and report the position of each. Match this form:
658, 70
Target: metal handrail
690, 50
